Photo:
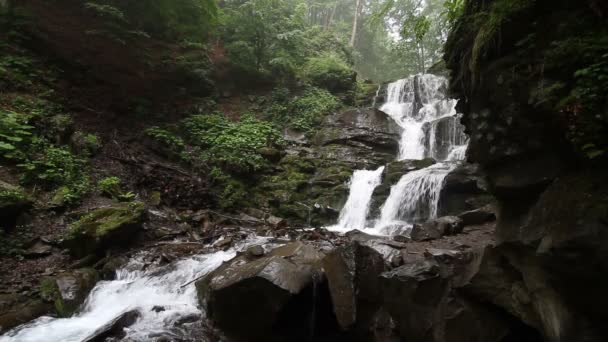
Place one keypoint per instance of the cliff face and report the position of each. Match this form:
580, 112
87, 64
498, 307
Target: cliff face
528, 75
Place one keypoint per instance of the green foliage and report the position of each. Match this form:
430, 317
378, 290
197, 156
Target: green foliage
55, 167
490, 22
307, 112
453, 9
165, 19
111, 187
15, 135
230, 191
167, 140
330, 72
233, 146
8, 196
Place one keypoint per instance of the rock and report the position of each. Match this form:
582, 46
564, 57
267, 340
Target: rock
16, 310
224, 243
68, 290
435, 229
276, 222
38, 249
464, 189
478, 216
401, 238
13, 202
114, 328
255, 251
352, 274
424, 309
104, 227
248, 300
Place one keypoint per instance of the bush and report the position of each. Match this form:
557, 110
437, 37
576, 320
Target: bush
15, 135
330, 72
172, 144
307, 111
234, 146
56, 167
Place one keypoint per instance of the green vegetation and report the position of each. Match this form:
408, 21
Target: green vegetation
111, 187
234, 146
303, 112
329, 72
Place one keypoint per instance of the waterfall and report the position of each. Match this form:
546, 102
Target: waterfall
430, 128
362, 185
133, 289
414, 198
420, 107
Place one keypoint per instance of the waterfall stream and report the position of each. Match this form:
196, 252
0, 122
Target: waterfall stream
362, 185
430, 129
134, 289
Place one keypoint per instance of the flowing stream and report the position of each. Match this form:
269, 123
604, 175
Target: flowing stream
430, 129
158, 295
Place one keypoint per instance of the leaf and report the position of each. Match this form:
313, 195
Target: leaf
594, 154
6, 146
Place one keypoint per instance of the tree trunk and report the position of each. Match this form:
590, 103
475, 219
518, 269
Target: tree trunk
358, 9
331, 16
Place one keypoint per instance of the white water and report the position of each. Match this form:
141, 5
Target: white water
132, 290
414, 198
430, 129
362, 185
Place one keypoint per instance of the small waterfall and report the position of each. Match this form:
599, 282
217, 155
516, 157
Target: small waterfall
362, 185
414, 198
133, 289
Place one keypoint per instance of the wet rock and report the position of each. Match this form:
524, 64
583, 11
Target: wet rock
104, 227
68, 290
255, 251
478, 216
464, 189
419, 298
114, 328
352, 274
16, 310
248, 299
435, 229
276, 222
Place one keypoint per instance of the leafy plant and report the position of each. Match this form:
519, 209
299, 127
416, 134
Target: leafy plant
166, 139
234, 146
330, 72
56, 167
15, 135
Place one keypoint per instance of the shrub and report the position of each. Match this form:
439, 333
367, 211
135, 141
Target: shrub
308, 111
234, 146
56, 167
330, 72
166, 139
15, 135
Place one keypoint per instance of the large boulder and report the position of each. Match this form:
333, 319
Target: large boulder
264, 298
464, 189
421, 299
104, 227
352, 274
16, 310
68, 290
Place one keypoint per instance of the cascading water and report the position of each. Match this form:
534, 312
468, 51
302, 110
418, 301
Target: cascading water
133, 289
430, 129
362, 185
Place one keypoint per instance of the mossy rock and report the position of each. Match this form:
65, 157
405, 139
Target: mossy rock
13, 201
104, 227
68, 290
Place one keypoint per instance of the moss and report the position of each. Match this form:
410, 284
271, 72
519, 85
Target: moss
104, 227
